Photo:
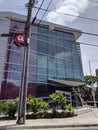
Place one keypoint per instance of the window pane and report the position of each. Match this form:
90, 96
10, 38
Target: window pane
42, 47
42, 61
51, 50
41, 70
51, 63
69, 74
51, 72
60, 64
68, 54
32, 78
41, 78
68, 66
60, 53
61, 73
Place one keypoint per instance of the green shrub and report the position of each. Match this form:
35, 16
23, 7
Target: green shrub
59, 100
69, 108
1, 106
37, 104
10, 108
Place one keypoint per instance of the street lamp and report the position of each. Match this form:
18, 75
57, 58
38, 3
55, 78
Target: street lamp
93, 89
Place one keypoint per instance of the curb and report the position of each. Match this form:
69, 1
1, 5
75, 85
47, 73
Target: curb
19, 127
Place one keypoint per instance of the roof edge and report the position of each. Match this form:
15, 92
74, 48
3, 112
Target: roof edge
19, 17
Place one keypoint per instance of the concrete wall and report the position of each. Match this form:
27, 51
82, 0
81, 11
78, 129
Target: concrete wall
4, 28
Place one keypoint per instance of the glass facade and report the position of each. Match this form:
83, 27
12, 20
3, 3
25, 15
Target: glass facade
56, 55
52, 55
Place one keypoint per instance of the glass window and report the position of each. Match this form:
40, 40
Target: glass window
33, 59
77, 75
32, 77
51, 63
69, 66
75, 56
59, 38
60, 64
16, 57
42, 37
42, 61
59, 41
59, 34
69, 74
61, 73
51, 50
32, 69
42, 30
67, 35
42, 47
51, 72
76, 67
41, 78
60, 52
68, 44
33, 42
15, 67
51, 40
14, 76
68, 54
42, 70
51, 32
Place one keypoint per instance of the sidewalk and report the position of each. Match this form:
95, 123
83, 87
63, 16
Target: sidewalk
85, 119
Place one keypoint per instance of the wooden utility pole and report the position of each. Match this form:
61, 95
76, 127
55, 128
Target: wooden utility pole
23, 88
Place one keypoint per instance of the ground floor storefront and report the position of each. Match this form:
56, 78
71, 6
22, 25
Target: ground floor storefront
11, 91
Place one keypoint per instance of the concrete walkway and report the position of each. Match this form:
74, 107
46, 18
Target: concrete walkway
88, 118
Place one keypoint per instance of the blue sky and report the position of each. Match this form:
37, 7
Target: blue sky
85, 8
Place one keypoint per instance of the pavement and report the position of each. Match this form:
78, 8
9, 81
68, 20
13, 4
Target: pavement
86, 118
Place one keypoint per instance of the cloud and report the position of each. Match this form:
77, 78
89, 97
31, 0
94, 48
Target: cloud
85, 64
72, 7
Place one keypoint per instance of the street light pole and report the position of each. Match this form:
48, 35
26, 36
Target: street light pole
93, 91
23, 88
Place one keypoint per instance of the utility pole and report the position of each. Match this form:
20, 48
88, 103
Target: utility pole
93, 91
23, 88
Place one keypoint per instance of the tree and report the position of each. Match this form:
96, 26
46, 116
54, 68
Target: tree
90, 79
86, 92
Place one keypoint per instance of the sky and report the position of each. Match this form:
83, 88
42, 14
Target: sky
79, 8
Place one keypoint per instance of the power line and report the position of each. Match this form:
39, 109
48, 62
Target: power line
83, 43
83, 32
45, 11
37, 11
39, 8
94, 45
82, 17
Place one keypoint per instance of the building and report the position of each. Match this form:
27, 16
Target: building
54, 59
96, 72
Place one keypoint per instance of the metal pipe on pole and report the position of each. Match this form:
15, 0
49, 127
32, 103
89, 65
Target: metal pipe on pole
23, 88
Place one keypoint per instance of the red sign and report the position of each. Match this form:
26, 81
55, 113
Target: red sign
19, 40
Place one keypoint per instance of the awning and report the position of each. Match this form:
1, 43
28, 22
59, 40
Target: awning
68, 83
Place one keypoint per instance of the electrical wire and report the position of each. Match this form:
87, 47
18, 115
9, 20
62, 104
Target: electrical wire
81, 17
39, 8
34, 33
93, 34
38, 11
68, 40
45, 11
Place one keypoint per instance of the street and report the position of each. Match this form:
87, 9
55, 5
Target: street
72, 128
